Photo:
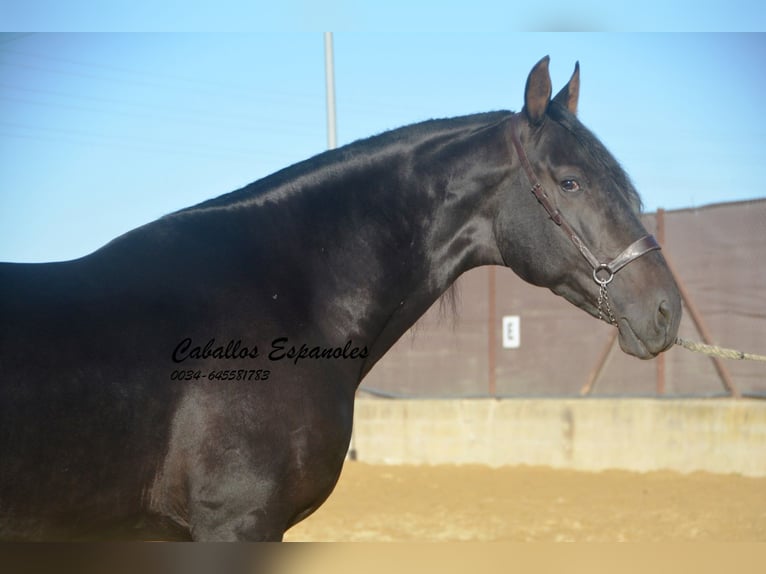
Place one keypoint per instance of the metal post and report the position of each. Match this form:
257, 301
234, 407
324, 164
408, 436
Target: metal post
595, 373
491, 332
702, 329
329, 68
661, 358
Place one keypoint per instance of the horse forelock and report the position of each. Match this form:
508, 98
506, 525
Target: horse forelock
598, 152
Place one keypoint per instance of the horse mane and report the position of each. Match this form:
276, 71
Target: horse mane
330, 162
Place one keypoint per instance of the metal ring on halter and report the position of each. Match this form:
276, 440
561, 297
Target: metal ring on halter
603, 282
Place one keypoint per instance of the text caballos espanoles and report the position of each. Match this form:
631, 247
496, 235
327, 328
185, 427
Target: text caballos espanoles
281, 349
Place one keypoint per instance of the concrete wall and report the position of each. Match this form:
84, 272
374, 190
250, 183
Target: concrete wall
721, 436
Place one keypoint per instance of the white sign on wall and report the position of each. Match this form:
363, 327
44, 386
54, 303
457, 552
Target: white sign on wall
511, 332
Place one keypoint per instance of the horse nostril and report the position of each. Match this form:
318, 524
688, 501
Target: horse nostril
664, 314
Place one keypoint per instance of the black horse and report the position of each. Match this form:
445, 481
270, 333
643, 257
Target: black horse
195, 377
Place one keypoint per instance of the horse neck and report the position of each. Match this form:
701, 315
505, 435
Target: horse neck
360, 242
427, 225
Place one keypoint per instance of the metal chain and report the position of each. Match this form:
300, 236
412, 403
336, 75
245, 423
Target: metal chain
603, 302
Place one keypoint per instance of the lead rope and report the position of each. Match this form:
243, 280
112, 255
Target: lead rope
716, 351
710, 350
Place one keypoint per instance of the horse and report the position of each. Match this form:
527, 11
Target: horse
194, 378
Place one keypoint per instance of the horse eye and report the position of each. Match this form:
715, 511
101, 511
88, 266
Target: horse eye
570, 185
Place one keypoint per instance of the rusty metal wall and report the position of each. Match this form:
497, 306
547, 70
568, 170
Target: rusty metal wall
719, 255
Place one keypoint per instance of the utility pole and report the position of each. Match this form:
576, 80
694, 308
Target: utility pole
332, 143
329, 69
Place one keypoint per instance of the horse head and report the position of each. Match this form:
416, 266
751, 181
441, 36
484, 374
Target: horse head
579, 232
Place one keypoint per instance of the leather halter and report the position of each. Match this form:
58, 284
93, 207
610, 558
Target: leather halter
635, 250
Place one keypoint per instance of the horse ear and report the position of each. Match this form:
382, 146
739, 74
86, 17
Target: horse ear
570, 93
537, 93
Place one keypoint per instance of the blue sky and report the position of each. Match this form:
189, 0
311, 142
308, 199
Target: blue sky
400, 15
100, 133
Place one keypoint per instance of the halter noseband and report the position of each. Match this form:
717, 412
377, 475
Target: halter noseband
635, 250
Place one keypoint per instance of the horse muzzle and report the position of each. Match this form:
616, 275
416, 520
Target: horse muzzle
645, 333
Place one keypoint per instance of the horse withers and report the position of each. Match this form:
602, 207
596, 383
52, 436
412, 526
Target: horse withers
195, 377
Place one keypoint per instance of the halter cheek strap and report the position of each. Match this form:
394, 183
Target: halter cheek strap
603, 273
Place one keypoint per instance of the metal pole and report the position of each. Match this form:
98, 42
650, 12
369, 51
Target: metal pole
329, 68
595, 373
491, 333
661, 359
696, 316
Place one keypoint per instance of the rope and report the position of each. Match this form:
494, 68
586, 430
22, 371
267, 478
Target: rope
715, 351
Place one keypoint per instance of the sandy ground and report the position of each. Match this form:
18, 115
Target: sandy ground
476, 503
